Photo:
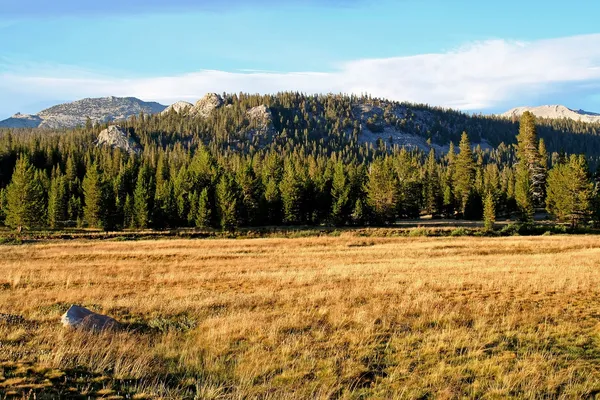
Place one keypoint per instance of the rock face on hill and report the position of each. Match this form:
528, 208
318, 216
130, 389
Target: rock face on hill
260, 122
205, 106
71, 115
116, 137
181, 107
554, 112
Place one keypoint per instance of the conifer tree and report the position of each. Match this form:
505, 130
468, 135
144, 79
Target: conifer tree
3, 202
432, 193
143, 198
25, 206
251, 194
382, 191
358, 214
570, 191
57, 200
204, 213
227, 203
291, 195
93, 197
489, 211
464, 173
340, 194
530, 173
273, 201
128, 212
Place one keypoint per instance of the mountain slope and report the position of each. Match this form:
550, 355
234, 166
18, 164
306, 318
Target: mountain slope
71, 115
554, 112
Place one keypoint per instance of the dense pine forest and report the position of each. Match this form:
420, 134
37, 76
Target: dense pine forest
292, 159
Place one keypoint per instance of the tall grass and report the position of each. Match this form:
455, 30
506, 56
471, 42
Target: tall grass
323, 317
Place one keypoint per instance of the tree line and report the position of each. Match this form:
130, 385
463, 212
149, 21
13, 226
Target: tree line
204, 175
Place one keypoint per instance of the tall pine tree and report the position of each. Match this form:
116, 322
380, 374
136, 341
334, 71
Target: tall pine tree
25, 206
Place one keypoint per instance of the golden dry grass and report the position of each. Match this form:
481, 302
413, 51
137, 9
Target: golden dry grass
330, 317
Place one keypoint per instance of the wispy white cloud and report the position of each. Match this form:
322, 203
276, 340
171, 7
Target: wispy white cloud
477, 76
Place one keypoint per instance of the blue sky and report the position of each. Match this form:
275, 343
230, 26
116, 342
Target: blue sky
473, 55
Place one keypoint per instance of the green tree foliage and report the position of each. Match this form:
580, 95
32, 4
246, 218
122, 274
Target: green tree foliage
464, 173
433, 195
489, 211
143, 197
204, 213
310, 165
57, 200
340, 194
25, 206
94, 196
291, 189
228, 203
531, 168
570, 191
382, 191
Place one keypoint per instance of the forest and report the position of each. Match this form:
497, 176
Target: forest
306, 165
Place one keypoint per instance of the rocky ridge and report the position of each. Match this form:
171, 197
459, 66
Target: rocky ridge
71, 115
554, 112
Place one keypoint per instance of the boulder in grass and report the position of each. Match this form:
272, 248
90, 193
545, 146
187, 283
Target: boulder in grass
82, 318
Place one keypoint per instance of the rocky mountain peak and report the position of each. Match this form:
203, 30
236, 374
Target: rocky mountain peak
205, 106
70, 115
180, 107
555, 111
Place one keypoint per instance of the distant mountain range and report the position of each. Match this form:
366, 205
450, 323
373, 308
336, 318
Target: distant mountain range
71, 115
554, 112
114, 109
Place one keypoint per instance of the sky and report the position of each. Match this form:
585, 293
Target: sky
477, 56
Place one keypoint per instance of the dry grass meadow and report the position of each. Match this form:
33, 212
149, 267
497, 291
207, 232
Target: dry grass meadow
326, 317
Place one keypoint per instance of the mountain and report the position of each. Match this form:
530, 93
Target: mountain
554, 112
181, 107
71, 115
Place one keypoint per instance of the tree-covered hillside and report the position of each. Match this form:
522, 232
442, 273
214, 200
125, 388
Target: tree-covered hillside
248, 160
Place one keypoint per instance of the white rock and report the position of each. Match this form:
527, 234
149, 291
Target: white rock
261, 121
181, 107
206, 105
116, 137
82, 318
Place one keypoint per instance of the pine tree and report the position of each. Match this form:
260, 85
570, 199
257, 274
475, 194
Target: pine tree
542, 171
204, 213
570, 191
25, 206
432, 193
128, 212
340, 194
227, 203
251, 194
93, 197
273, 201
3, 202
358, 215
382, 191
489, 211
291, 195
143, 198
464, 173
530, 173
57, 201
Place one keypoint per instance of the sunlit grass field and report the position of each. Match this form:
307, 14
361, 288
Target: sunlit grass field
344, 317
